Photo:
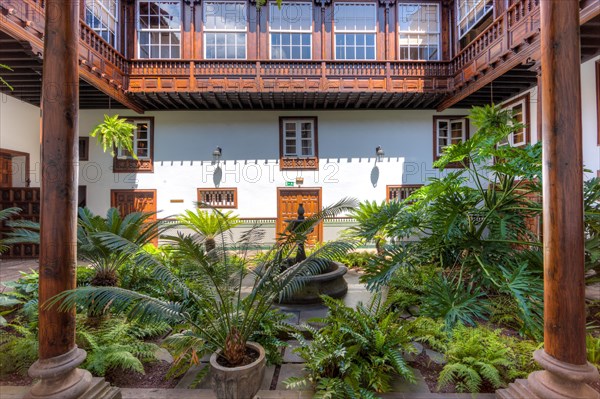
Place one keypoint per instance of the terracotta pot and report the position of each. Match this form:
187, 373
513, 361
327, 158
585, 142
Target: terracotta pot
238, 382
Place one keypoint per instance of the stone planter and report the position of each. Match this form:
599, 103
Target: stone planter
238, 382
331, 283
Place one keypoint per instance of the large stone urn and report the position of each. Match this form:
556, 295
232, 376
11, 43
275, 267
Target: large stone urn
331, 283
241, 382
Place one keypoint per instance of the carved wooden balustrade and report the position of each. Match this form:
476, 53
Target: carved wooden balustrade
265, 75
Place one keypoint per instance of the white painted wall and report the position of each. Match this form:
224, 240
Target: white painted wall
589, 118
184, 141
591, 146
20, 131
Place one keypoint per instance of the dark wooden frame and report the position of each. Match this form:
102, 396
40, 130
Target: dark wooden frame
454, 165
526, 112
390, 186
14, 153
129, 169
85, 155
299, 163
235, 195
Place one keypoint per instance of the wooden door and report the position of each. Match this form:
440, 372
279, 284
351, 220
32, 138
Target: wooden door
6, 171
129, 201
288, 200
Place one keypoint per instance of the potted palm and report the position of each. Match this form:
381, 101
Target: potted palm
213, 310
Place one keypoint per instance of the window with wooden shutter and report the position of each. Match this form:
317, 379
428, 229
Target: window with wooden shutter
401, 192
218, 197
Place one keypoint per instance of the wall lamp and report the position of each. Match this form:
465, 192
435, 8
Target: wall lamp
379, 153
217, 154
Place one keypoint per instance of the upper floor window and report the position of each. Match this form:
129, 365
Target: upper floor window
159, 29
355, 26
141, 140
470, 12
520, 114
419, 31
291, 31
143, 147
298, 143
103, 17
225, 28
448, 130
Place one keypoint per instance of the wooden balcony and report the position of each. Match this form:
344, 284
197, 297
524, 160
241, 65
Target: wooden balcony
506, 53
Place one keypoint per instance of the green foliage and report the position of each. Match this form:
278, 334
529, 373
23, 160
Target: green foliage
454, 302
207, 307
93, 230
4, 82
591, 203
18, 347
115, 132
4, 215
472, 227
357, 259
118, 344
209, 224
593, 350
356, 354
476, 355
429, 331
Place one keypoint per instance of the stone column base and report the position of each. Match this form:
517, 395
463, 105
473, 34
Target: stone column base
558, 380
60, 379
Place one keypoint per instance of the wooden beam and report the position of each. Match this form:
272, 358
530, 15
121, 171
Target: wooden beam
567, 371
58, 353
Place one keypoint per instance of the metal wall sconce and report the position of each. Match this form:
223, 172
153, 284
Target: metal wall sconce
299, 181
379, 153
217, 154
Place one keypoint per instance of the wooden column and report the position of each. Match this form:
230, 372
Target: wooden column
58, 354
566, 371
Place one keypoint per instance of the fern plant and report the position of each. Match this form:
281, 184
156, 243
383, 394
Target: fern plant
356, 354
4, 215
476, 355
208, 224
116, 344
593, 350
115, 132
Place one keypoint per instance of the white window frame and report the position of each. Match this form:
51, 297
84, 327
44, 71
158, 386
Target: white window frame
224, 30
93, 5
291, 31
471, 9
159, 30
420, 33
337, 30
121, 153
298, 145
510, 139
463, 121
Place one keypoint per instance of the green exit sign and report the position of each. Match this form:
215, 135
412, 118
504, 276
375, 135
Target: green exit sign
289, 184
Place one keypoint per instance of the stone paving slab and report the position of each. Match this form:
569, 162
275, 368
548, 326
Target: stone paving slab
420, 386
289, 370
289, 356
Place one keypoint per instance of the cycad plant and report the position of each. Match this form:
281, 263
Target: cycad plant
137, 228
4, 215
208, 224
211, 311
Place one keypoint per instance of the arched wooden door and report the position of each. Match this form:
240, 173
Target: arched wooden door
288, 200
